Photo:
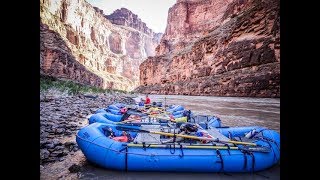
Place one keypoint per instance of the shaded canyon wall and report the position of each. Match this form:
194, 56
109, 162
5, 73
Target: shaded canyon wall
219, 48
80, 43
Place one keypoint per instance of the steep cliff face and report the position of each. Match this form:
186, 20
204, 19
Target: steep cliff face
235, 52
109, 53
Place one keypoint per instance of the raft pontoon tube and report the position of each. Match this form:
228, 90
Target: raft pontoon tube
112, 154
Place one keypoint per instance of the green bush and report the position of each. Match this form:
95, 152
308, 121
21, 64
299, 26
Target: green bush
71, 87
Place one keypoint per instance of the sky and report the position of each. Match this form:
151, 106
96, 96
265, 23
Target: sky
153, 12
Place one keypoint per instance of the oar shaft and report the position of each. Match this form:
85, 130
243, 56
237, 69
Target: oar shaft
188, 146
252, 149
129, 120
201, 138
185, 136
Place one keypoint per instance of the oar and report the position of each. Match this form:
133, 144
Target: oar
255, 149
132, 128
161, 117
129, 120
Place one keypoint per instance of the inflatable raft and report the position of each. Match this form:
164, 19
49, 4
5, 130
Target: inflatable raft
176, 110
250, 149
109, 118
112, 113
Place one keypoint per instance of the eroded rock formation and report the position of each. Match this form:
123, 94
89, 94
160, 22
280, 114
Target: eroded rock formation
217, 47
78, 42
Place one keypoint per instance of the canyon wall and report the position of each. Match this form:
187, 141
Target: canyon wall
218, 48
80, 43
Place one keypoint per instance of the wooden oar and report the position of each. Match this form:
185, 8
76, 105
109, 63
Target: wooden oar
132, 128
256, 149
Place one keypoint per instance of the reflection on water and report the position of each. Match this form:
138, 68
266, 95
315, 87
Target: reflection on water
233, 111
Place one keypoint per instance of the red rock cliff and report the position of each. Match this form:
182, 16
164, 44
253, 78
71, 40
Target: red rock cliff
78, 42
217, 47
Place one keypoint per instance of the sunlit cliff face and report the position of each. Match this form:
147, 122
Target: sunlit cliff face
79, 42
218, 48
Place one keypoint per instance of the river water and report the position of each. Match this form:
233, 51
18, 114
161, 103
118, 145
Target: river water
233, 111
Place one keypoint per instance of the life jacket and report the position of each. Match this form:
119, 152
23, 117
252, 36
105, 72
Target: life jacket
121, 138
147, 100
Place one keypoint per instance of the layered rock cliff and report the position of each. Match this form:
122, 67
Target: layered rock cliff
79, 42
217, 47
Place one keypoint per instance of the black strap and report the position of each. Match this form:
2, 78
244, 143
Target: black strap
144, 146
230, 135
228, 148
245, 152
253, 161
123, 149
221, 160
174, 149
174, 135
245, 159
182, 154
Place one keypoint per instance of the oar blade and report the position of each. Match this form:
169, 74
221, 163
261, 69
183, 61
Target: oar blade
256, 149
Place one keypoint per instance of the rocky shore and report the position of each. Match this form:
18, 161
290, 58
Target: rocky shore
61, 116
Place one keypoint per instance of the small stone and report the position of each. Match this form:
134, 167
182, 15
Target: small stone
58, 148
56, 142
56, 153
50, 159
44, 154
49, 146
65, 152
60, 130
69, 143
75, 168
75, 149
67, 132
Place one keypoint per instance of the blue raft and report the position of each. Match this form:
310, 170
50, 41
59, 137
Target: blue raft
111, 154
